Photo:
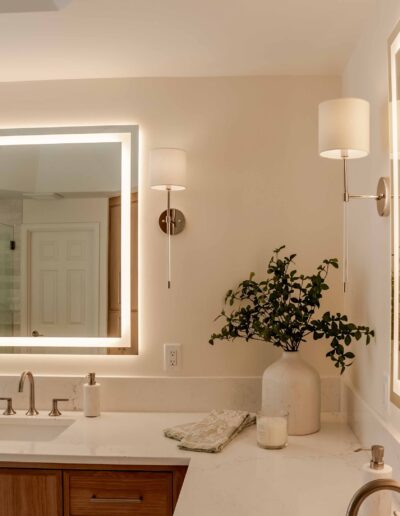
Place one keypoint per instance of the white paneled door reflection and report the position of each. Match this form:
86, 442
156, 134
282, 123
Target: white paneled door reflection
63, 281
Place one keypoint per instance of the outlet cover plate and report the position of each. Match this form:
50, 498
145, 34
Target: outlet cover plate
172, 358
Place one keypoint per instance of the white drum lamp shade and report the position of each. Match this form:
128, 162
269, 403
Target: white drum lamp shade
168, 169
344, 128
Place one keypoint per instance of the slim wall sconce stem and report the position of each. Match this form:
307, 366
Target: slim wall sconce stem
169, 234
345, 181
345, 225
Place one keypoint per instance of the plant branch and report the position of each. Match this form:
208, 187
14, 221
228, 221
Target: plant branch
281, 310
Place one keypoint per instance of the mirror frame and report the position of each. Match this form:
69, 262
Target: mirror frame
394, 49
127, 136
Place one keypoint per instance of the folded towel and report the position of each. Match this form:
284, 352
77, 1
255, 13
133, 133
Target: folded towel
212, 433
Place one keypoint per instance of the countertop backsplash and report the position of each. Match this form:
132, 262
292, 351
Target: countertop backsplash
155, 394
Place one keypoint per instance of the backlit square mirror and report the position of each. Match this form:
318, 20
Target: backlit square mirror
69, 240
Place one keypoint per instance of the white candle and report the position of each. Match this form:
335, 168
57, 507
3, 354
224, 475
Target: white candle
272, 431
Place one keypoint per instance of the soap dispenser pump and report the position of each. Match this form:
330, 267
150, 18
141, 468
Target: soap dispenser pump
380, 503
91, 397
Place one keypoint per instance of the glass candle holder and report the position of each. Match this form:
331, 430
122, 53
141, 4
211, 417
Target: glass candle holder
272, 429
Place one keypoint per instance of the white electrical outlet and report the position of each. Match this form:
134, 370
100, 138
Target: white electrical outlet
172, 357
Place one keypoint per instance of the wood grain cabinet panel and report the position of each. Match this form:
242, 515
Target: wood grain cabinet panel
51, 489
25, 492
118, 493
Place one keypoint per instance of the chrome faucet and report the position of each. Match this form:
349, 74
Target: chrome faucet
368, 489
32, 409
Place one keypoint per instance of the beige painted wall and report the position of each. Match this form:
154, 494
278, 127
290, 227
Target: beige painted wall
369, 289
255, 181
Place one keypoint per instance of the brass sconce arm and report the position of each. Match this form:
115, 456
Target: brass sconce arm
382, 196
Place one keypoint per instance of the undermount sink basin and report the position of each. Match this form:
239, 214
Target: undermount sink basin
32, 428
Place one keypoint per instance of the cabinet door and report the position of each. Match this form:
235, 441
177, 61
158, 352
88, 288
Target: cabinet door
30, 492
117, 493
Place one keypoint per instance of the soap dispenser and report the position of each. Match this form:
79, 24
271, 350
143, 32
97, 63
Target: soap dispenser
91, 397
379, 503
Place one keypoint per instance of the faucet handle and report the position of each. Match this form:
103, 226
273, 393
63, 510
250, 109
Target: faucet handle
9, 410
54, 412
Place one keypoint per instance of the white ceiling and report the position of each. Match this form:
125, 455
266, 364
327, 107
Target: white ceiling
166, 38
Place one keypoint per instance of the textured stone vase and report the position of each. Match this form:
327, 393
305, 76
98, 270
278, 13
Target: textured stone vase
293, 385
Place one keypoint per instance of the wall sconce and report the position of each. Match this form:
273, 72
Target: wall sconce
344, 134
168, 173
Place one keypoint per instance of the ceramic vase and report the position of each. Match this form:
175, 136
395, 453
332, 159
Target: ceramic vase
292, 385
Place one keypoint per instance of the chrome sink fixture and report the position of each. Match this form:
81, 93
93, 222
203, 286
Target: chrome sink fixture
40, 428
32, 409
368, 489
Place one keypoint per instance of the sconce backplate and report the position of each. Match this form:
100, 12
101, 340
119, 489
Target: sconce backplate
383, 193
178, 221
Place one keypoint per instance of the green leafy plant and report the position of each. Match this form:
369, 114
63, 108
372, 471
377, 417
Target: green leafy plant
281, 309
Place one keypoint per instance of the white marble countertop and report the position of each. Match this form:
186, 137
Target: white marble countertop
314, 475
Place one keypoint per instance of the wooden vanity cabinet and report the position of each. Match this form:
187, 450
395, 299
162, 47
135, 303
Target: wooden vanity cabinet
30, 492
88, 490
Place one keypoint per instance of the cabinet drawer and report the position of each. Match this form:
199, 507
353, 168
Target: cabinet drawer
112, 493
